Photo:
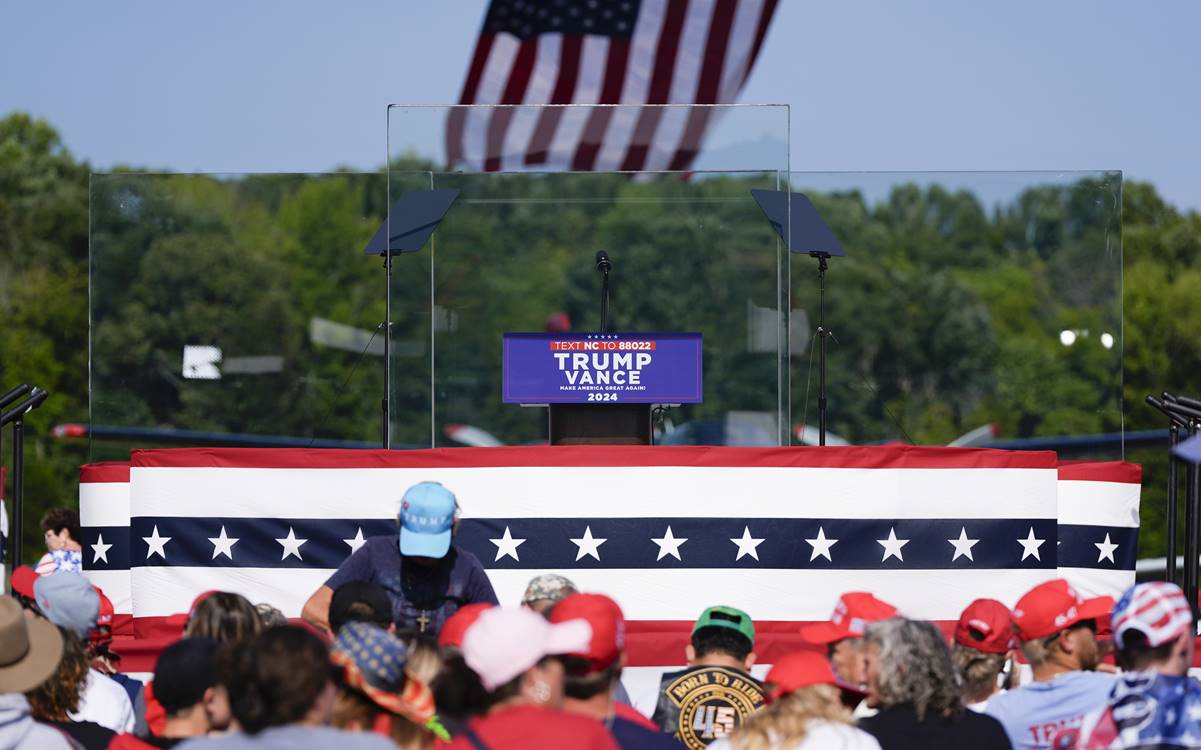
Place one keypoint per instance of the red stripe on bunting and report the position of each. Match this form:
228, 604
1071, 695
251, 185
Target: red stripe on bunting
104, 471
848, 457
1101, 471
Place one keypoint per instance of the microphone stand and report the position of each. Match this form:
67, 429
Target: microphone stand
1190, 418
604, 265
1175, 427
822, 333
12, 395
17, 416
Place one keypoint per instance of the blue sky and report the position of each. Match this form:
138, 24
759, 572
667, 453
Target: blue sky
873, 84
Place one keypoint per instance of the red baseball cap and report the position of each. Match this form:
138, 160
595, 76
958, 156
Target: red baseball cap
986, 625
851, 615
105, 617
456, 625
608, 626
797, 670
1053, 606
22, 581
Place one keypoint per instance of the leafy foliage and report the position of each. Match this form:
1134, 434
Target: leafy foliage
947, 315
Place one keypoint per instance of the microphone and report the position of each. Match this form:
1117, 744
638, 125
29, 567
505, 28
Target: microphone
603, 264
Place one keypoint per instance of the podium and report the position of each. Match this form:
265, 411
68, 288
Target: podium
600, 387
600, 424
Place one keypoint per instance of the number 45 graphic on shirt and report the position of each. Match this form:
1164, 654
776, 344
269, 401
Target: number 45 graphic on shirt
714, 722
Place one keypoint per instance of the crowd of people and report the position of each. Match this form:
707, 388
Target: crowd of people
407, 646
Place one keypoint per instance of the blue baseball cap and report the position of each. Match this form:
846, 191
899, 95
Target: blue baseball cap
68, 601
427, 513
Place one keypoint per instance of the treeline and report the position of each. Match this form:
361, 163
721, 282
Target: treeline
949, 314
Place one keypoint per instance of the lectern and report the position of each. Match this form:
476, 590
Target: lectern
600, 424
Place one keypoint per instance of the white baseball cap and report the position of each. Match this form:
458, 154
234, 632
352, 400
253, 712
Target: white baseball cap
506, 641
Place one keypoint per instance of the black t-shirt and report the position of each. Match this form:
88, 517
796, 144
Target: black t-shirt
897, 728
422, 597
703, 704
87, 733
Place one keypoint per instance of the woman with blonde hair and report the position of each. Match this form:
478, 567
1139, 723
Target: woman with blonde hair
225, 617
804, 711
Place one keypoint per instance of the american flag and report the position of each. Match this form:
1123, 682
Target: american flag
667, 531
601, 52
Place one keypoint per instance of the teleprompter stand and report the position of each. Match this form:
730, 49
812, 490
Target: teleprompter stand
409, 225
600, 424
797, 222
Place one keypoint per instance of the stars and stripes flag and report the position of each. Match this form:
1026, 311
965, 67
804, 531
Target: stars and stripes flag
667, 531
601, 52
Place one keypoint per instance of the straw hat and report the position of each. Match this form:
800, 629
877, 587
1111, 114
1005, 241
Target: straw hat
29, 649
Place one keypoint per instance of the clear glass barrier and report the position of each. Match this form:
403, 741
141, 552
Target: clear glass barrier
516, 252
965, 300
238, 306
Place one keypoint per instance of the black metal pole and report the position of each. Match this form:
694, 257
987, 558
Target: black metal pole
13, 394
604, 323
1173, 482
1192, 534
2, 477
387, 402
18, 488
821, 333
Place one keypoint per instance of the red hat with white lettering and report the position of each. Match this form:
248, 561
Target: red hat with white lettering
1053, 606
851, 615
986, 625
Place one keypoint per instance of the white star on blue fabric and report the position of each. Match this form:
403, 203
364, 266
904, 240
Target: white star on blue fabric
291, 545
1030, 545
358, 540
747, 545
963, 545
507, 546
588, 545
821, 545
155, 544
100, 550
892, 546
669, 545
223, 545
1106, 549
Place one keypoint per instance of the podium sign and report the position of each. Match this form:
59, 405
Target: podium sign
581, 368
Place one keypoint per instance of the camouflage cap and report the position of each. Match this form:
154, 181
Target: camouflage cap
548, 586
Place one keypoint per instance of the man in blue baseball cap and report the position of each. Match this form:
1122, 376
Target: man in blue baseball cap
426, 575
